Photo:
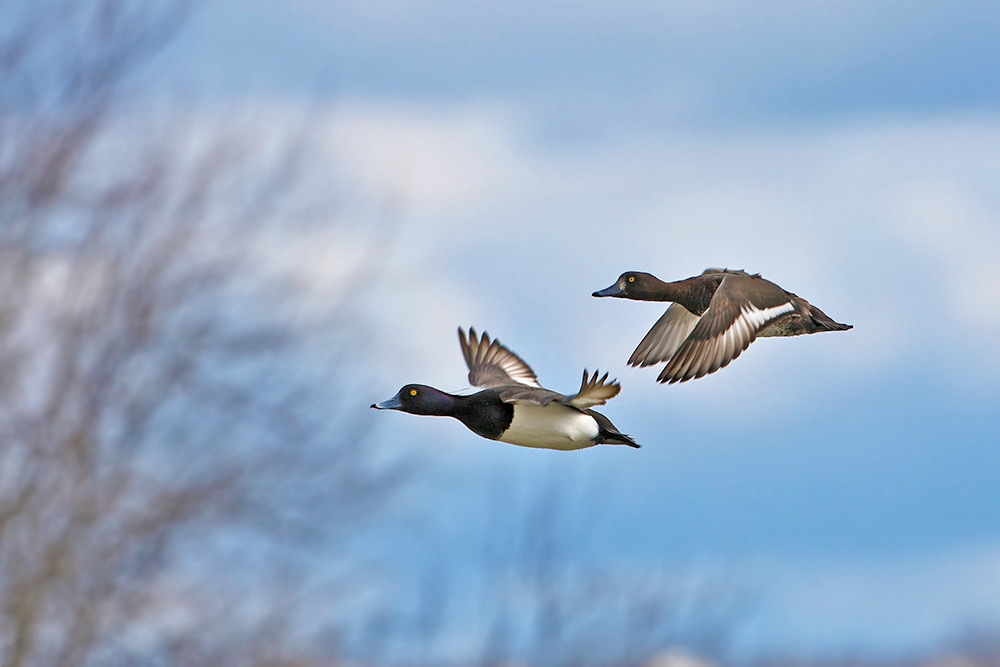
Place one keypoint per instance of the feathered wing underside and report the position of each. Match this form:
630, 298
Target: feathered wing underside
666, 336
593, 391
726, 329
493, 365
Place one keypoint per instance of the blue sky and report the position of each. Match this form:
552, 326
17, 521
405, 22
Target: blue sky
848, 151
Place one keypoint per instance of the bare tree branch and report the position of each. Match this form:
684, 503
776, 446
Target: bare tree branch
150, 413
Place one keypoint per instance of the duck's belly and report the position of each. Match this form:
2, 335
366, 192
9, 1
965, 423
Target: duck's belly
553, 426
791, 325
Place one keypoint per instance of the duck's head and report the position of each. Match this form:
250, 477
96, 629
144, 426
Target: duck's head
631, 285
418, 399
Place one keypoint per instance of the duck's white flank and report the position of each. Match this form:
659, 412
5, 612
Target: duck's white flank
553, 426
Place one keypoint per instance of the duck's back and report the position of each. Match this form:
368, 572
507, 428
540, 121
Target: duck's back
696, 293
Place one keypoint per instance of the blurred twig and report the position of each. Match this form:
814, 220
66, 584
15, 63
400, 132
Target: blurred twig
150, 414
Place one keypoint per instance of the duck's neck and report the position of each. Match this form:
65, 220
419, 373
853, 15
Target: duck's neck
438, 403
484, 413
654, 289
461, 406
695, 294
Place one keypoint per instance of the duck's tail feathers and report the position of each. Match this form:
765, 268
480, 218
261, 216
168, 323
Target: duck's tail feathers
608, 434
621, 439
824, 322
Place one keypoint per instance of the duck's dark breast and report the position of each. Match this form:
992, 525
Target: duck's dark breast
696, 295
485, 414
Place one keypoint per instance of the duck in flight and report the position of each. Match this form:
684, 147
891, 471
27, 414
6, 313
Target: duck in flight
513, 407
713, 318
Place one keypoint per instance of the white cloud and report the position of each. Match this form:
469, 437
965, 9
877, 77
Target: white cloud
437, 159
956, 225
883, 226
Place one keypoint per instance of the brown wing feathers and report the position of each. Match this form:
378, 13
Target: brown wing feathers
594, 391
491, 364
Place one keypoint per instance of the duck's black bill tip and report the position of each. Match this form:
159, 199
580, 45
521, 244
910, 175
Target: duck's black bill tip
614, 290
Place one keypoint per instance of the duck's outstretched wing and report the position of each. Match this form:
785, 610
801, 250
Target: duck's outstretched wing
491, 364
593, 391
666, 336
519, 393
740, 308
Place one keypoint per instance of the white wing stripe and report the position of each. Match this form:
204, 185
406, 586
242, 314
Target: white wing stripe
702, 357
721, 347
758, 317
750, 320
732, 343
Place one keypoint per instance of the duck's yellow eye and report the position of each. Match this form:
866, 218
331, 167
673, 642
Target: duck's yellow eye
631, 279
413, 392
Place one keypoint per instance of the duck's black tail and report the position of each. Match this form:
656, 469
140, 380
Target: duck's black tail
620, 439
824, 322
608, 434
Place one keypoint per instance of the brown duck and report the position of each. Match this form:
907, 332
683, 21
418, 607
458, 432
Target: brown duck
714, 317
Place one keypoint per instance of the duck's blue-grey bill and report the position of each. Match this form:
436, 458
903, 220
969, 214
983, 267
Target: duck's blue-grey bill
392, 404
614, 290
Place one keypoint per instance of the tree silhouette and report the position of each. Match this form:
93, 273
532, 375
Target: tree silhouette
162, 461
